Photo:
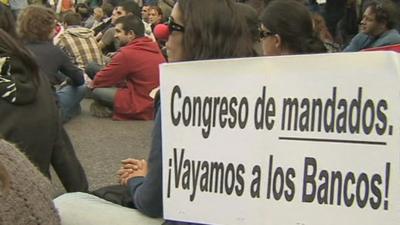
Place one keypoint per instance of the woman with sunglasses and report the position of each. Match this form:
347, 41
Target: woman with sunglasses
199, 30
287, 28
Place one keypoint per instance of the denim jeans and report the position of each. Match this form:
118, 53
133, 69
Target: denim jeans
105, 96
69, 98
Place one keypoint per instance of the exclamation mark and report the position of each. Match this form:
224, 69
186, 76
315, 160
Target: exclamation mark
386, 203
169, 178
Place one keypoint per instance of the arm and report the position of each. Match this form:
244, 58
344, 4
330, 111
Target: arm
70, 70
113, 73
107, 39
146, 191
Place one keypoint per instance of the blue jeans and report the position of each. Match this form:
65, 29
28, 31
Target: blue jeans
69, 98
105, 96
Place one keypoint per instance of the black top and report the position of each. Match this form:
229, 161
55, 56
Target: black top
52, 60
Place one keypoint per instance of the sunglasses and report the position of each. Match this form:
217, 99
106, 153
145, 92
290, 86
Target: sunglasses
264, 34
172, 26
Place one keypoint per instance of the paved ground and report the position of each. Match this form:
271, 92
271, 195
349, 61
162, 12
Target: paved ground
101, 143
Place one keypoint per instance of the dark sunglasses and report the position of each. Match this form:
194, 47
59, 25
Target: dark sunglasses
264, 34
172, 26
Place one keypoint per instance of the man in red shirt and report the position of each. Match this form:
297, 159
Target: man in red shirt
124, 85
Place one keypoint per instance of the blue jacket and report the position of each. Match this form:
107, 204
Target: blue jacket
362, 41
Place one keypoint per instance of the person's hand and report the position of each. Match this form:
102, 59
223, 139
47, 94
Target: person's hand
132, 168
89, 84
128, 166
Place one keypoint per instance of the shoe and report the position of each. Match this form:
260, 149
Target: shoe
100, 111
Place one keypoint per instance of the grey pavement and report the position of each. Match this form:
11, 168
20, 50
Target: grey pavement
101, 143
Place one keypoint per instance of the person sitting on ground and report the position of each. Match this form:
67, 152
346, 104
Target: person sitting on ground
108, 42
36, 28
25, 194
144, 179
30, 118
377, 27
78, 42
105, 23
124, 85
280, 37
84, 11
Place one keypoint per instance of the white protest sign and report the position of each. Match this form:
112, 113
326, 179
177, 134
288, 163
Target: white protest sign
310, 140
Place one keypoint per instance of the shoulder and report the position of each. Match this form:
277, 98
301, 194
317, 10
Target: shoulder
392, 36
360, 37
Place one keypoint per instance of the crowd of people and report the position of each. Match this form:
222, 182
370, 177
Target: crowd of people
52, 55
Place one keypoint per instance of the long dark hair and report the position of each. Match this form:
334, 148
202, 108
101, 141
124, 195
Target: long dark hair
214, 30
293, 23
9, 47
7, 21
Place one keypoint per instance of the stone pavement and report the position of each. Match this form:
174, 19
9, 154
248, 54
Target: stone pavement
101, 144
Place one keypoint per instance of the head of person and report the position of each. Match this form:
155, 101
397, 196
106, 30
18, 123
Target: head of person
83, 9
379, 16
36, 23
145, 13
287, 28
107, 9
98, 13
207, 29
155, 15
72, 19
128, 28
7, 21
125, 8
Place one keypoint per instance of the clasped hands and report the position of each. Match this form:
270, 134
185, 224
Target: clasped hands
131, 168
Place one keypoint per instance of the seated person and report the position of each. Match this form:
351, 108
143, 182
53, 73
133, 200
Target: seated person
107, 41
79, 42
36, 29
377, 27
124, 85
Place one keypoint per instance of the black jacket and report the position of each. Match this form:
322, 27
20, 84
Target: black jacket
29, 118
